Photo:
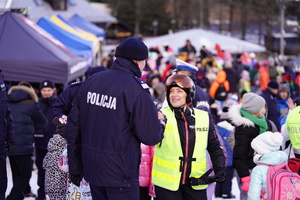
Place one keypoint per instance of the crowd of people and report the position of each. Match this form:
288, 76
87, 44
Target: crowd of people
153, 123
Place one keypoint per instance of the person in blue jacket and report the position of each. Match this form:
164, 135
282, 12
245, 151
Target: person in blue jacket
42, 136
7, 135
112, 115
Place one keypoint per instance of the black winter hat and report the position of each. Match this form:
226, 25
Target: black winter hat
273, 84
132, 48
46, 83
93, 70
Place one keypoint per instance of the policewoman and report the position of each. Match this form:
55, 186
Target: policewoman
179, 165
112, 115
293, 127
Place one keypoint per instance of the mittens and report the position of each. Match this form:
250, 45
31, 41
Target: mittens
245, 183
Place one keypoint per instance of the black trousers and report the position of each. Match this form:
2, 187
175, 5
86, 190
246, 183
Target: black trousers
185, 192
226, 186
21, 167
39, 157
144, 193
3, 176
116, 193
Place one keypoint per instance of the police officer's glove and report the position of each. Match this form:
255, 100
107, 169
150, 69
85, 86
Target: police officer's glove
60, 125
203, 180
76, 179
163, 121
220, 174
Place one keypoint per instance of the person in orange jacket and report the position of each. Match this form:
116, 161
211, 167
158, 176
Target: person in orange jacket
264, 77
215, 89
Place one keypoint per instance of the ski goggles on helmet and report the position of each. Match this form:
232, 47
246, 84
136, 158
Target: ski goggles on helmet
182, 81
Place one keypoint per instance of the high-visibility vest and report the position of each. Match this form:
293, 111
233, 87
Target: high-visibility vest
293, 127
166, 163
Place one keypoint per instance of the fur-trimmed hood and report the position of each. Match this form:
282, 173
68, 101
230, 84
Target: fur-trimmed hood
19, 93
226, 125
236, 118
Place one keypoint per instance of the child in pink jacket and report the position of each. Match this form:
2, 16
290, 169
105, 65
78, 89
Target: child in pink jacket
146, 187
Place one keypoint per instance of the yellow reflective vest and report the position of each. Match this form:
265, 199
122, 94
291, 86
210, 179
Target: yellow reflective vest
293, 127
166, 163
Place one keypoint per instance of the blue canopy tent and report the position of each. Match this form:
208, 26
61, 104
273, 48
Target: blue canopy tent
87, 26
28, 53
76, 44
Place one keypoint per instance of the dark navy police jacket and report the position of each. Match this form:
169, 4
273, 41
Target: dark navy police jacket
6, 122
66, 99
42, 136
112, 115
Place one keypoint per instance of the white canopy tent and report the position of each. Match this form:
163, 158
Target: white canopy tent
200, 37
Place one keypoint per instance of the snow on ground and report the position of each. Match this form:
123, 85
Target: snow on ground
34, 186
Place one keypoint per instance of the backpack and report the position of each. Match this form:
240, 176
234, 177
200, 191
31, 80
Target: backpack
282, 183
294, 165
221, 93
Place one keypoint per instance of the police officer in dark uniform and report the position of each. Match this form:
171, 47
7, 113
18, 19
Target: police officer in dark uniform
112, 115
7, 136
66, 99
42, 136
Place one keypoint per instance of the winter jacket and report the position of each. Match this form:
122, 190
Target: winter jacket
27, 117
225, 129
112, 115
7, 131
55, 178
200, 95
238, 66
42, 136
273, 72
233, 78
259, 173
189, 49
271, 101
146, 165
244, 83
221, 79
65, 101
282, 109
264, 78
245, 132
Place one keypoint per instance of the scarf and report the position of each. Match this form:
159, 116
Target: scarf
261, 122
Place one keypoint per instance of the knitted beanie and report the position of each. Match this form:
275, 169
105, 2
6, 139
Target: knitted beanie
267, 142
132, 48
273, 84
252, 102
